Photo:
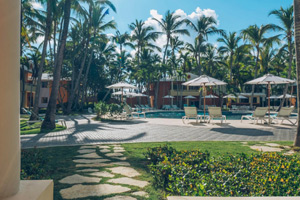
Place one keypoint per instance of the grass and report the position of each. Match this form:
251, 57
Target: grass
56, 162
35, 128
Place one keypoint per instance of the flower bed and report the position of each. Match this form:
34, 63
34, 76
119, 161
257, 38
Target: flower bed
195, 173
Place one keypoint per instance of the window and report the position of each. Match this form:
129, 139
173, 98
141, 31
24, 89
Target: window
44, 84
44, 99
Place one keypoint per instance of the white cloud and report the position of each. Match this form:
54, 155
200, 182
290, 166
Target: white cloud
162, 40
37, 5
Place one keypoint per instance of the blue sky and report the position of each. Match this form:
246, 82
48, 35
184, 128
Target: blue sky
233, 15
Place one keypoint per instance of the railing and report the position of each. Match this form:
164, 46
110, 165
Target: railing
184, 92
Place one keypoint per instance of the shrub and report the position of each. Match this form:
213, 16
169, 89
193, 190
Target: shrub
195, 173
101, 108
115, 109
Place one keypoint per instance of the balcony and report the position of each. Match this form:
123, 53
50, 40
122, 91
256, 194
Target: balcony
185, 92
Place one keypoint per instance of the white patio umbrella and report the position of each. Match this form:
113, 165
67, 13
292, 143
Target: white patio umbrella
121, 85
242, 97
273, 97
210, 97
117, 93
188, 98
269, 79
229, 96
288, 96
169, 97
204, 81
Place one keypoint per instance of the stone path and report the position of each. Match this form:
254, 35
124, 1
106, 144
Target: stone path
83, 130
101, 174
270, 147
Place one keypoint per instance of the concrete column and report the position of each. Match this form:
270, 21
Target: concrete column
10, 97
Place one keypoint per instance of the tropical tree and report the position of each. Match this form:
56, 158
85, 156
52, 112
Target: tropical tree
286, 18
257, 37
230, 42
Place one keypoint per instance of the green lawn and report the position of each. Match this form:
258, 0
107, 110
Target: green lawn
56, 162
35, 128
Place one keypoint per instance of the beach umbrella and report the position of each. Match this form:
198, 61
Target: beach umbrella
210, 97
286, 96
269, 79
229, 96
204, 81
273, 97
117, 93
122, 85
189, 97
169, 97
242, 97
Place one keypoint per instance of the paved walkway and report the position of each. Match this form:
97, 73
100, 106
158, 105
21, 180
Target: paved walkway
83, 130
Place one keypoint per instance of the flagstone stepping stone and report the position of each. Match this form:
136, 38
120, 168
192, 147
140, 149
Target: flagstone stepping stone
118, 148
87, 170
102, 174
91, 161
291, 152
120, 158
88, 147
141, 194
129, 181
114, 154
272, 144
119, 151
105, 151
104, 147
84, 151
76, 178
244, 143
90, 155
265, 148
116, 145
120, 198
82, 191
125, 171
91, 165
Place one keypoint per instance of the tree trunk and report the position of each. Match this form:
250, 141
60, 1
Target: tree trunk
34, 115
297, 43
75, 90
255, 75
49, 121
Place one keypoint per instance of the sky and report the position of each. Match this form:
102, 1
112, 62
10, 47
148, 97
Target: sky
232, 15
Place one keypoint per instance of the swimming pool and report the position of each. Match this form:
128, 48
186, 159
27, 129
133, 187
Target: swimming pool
179, 114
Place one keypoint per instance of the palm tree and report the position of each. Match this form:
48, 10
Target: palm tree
142, 35
256, 36
230, 41
49, 121
170, 25
204, 26
50, 5
286, 18
297, 46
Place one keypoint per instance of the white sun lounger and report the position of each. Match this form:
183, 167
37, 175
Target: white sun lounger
129, 114
284, 114
215, 112
191, 112
258, 114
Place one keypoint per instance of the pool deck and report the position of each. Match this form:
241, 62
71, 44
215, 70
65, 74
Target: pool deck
83, 130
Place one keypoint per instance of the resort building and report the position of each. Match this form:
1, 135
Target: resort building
45, 90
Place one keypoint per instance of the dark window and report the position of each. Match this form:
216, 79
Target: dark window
44, 84
44, 99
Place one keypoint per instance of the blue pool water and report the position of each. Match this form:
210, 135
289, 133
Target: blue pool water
180, 114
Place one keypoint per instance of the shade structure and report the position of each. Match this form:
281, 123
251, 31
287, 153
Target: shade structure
210, 97
189, 97
121, 85
117, 93
141, 95
286, 96
273, 97
269, 79
229, 96
168, 97
242, 97
204, 81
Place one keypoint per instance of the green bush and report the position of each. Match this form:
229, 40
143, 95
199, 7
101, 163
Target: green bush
115, 109
195, 173
101, 109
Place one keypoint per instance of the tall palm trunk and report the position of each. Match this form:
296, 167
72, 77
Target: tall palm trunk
297, 43
289, 72
255, 75
49, 121
230, 63
34, 115
75, 89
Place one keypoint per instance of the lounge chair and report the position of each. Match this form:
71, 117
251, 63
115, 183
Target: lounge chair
138, 107
144, 107
284, 114
174, 107
191, 112
215, 112
129, 114
166, 107
148, 107
41, 119
258, 114
234, 107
